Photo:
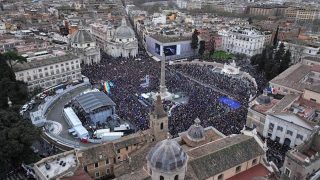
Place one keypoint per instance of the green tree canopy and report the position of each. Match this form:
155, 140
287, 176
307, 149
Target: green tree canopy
286, 60
15, 90
195, 40
202, 47
16, 137
13, 58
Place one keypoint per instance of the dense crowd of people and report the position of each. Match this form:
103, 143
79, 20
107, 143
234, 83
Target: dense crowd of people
203, 102
128, 74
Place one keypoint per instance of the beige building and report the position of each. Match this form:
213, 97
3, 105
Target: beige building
50, 71
298, 77
301, 13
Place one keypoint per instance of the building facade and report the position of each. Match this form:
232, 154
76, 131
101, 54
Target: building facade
301, 14
178, 47
49, 72
85, 47
303, 162
123, 43
287, 129
248, 41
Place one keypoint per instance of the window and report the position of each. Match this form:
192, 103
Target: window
67, 64
161, 126
118, 150
176, 177
107, 161
271, 125
97, 174
62, 65
85, 168
238, 169
45, 68
161, 178
127, 148
220, 177
313, 100
287, 172
57, 66
289, 132
40, 70
88, 45
299, 136
96, 165
108, 171
279, 128
254, 161
51, 67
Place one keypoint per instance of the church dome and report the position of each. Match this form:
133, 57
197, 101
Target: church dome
166, 156
81, 37
124, 31
196, 131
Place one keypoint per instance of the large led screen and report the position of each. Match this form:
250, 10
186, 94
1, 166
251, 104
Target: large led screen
170, 50
157, 49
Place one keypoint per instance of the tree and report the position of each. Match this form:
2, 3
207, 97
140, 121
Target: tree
202, 48
279, 54
13, 58
212, 46
275, 39
195, 40
286, 60
15, 90
16, 137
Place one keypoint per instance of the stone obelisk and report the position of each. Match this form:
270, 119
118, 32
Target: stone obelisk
163, 88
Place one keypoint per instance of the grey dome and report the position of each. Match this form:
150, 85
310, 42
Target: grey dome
263, 99
167, 155
124, 31
196, 131
81, 37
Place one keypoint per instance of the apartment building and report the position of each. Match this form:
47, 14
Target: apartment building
50, 71
242, 40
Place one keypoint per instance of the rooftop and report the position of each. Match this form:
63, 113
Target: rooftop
169, 39
215, 157
211, 134
97, 153
43, 62
258, 172
58, 165
263, 108
94, 100
298, 77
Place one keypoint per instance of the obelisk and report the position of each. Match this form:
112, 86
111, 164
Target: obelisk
163, 88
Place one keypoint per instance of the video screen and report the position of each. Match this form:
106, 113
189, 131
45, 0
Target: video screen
170, 50
157, 48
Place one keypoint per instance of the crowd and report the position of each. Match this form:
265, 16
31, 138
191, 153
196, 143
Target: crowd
128, 74
203, 102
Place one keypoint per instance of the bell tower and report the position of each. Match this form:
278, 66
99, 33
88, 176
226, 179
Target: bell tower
159, 120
